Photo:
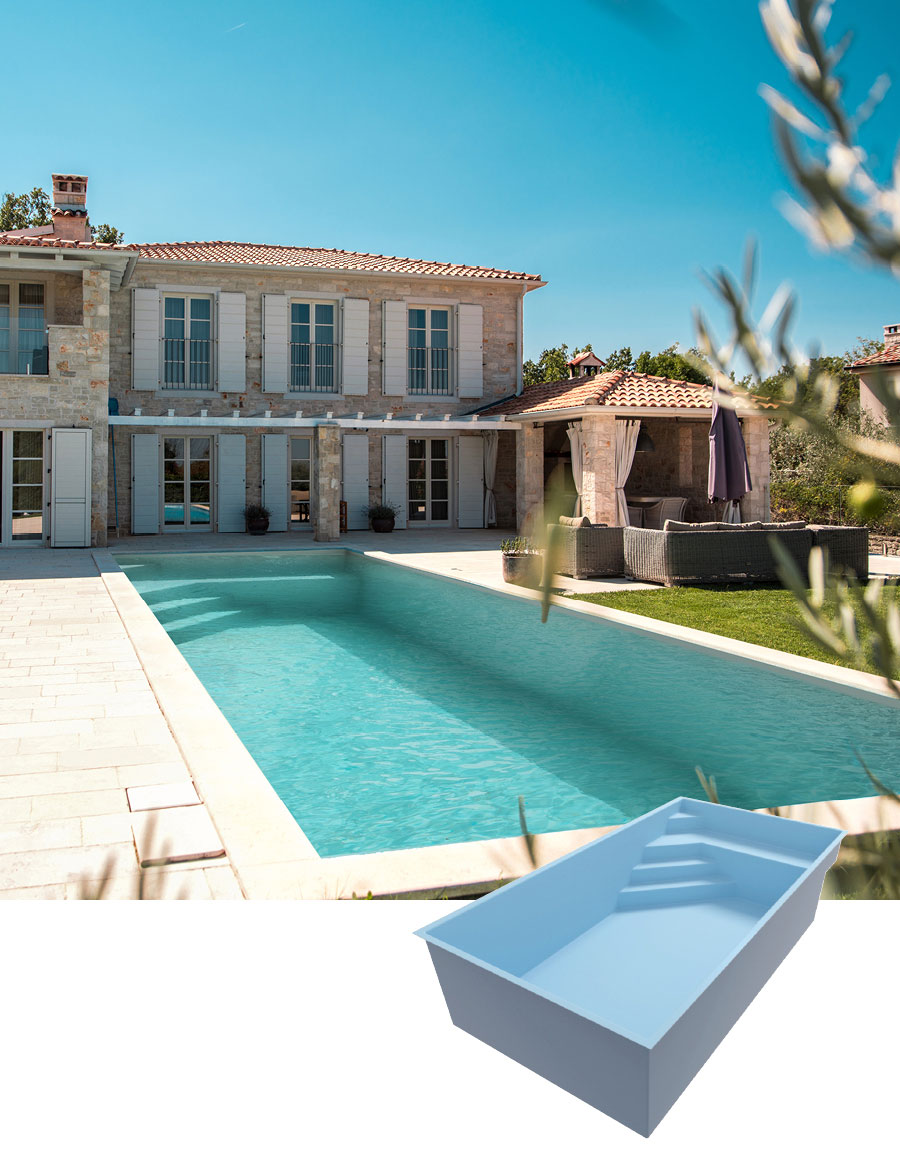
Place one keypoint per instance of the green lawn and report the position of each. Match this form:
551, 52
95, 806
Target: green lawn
763, 615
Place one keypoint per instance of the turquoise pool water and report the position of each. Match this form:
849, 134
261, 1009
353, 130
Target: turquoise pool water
391, 708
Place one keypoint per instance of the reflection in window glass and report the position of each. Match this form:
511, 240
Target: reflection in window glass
428, 481
312, 347
300, 480
27, 485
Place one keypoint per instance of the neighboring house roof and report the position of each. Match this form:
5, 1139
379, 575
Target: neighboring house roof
584, 355
889, 355
612, 390
331, 259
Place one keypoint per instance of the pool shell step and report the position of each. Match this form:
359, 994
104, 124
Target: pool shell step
716, 886
676, 868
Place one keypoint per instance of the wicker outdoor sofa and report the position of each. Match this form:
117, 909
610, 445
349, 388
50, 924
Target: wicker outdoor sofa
590, 550
725, 552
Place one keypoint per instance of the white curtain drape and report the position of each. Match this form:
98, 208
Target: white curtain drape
491, 443
626, 441
575, 442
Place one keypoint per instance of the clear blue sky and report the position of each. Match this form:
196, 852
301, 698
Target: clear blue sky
615, 156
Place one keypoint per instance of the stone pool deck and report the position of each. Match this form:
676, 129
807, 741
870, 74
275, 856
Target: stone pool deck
112, 754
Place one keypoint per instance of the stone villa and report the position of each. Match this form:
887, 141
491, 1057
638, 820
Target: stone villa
162, 387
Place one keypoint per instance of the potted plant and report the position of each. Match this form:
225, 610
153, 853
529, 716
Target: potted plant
382, 516
523, 563
257, 518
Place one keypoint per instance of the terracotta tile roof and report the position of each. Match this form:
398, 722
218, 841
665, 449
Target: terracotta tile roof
889, 355
612, 389
274, 255
8, 240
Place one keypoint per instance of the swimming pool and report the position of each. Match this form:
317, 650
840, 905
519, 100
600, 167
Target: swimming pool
391, 708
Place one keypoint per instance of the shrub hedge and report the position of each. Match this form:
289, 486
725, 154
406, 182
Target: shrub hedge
827, 503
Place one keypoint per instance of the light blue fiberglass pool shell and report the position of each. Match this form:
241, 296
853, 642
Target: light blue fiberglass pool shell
615, 971
391, 708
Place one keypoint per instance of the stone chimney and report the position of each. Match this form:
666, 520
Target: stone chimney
892, 337
69, 212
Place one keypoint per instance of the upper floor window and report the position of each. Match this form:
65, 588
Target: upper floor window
313, 346
428, 351
23, 330
187, 342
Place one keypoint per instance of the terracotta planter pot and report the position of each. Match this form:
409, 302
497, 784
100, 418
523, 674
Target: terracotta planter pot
523, 570
382, 526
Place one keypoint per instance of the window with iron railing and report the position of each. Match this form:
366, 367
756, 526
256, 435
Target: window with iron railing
187, 343
23, 330
314, 351
429, 359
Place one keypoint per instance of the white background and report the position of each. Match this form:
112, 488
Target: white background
269, 1025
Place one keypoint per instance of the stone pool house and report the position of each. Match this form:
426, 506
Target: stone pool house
162, 387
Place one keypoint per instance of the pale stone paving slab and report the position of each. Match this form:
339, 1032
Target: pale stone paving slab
178, 835
162, 795
79, 724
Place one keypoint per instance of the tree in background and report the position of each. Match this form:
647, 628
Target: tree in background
552, 364
620, 360
32, 210
836, 367
28, 210
669, 362
107, 234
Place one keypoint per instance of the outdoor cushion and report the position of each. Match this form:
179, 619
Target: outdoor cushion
798, 525
576, 521
677, 525
739, 526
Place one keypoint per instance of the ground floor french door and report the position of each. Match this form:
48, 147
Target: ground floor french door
22, 473
428, 482
300, 464
187, 482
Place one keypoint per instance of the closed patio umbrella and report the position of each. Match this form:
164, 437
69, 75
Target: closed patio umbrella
729, 474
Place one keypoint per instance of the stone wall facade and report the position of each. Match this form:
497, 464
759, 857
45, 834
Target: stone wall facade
499, 300
529, 478
76, 390
326, 483
598, 484
755, 505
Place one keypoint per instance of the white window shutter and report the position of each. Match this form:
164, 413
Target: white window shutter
470, 353
145, 485
70, 479
275, 480
145, 339
355, 480
276, 337
355, 346
470, 481
394, 341
231, 482
393, 485
231, 350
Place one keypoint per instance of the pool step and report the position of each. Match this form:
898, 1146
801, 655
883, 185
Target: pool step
715, 886
679, 846
675, 869
682, 821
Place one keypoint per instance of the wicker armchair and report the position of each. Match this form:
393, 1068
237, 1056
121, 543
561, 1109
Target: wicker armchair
710, 556
584, 552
